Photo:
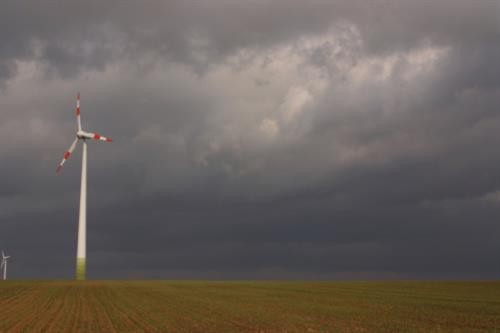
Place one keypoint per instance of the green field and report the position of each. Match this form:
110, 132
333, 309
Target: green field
199, 306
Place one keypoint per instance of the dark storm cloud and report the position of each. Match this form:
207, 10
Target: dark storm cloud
72, 36
259, 139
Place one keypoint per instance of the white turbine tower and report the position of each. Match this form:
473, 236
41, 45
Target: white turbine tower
82, 136
4, 265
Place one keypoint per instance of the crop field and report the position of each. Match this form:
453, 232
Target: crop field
200, 306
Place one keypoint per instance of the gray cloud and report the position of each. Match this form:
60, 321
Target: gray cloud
254, 140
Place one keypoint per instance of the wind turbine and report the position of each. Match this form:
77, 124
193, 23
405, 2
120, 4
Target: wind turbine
81, 136
4, 265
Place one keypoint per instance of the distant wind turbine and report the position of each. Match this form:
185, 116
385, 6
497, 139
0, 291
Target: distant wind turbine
4, 265
82, 136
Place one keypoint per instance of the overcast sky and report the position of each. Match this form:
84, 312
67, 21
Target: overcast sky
269, 139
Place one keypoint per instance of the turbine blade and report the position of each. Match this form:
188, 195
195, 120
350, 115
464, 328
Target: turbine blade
78, 120
96, 136
66, 155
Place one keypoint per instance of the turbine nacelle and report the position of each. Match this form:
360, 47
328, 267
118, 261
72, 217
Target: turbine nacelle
83, 135
87, 135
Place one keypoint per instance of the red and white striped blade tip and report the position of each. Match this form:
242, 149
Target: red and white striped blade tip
102, 138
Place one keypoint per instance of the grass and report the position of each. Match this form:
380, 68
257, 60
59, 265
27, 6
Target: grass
200, 306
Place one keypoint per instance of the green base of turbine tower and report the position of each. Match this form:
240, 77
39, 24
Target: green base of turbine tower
80, 268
